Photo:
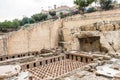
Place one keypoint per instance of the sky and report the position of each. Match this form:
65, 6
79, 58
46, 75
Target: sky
12, 9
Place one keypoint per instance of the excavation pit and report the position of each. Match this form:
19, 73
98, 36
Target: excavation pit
56, 69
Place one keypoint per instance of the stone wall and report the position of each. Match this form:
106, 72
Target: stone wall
49, 34
3, 45
90, 44
33, 38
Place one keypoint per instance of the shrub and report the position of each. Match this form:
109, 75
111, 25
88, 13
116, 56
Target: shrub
106, 4
52, 13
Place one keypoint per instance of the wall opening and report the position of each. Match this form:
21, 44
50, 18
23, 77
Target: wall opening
72, 57
90, 44
6, 57
46, 61
27, 66
18, 55
1, 59
23, 54
81, 59
76, 58
63, 58
34, 64
54, 59
32, 53
50, 60
86, 59
40, 63
28, 54
58, 58
13, 56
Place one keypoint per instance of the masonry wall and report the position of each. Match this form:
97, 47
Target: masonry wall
2, 50
33, 38
45, 34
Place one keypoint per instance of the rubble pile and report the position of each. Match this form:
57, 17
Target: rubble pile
13, 72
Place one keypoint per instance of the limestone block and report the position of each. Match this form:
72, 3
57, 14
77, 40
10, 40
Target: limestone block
106, 27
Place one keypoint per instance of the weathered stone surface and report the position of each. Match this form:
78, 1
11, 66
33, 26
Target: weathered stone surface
87, 76
49, 34
117, 26
90, 27
87, 68
106, 27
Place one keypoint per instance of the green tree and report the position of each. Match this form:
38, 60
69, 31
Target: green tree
39, 17
6, 24
61, 15
106, 4
83, 3
25, 20
15, 23
32, 20
52, 13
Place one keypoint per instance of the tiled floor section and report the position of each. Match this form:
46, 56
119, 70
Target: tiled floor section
54, 70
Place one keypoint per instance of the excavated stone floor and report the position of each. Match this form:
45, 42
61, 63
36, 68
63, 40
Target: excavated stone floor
83, 75
55, 70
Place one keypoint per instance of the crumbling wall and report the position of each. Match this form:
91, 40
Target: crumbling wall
107, 30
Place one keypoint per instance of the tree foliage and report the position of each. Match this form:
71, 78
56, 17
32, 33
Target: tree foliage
39, 17
106, 4
83, 3
16, 23
8, 24
25, 20
52, 13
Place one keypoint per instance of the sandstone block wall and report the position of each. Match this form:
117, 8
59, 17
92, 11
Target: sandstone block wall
47, 34
34, 38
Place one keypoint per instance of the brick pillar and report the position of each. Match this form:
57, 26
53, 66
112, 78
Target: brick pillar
84, 59
37, 63
23, 67
67, 56
64, 57
70, 57
48, 61
3, 58
31, 65
79, 58
56, 59
89, 60
52, 60
43, 62
60, 58
74, 57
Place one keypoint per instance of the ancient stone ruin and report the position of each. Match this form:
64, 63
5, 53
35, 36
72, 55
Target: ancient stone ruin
74, 48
